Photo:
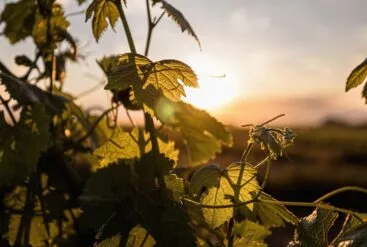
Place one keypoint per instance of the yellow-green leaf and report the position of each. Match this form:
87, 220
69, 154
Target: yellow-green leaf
179, 18
58, 26
357, 76
38, 233
175, 185
140, 237
138, 72
216, 187
19, 19
273, 215
127, 145
102, 10
202, 133
250, 234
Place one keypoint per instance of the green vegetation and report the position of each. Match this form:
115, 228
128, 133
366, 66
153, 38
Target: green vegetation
70, 178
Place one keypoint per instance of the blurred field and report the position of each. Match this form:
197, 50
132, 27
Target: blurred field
328, 155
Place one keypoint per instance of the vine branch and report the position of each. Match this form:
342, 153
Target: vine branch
5, 103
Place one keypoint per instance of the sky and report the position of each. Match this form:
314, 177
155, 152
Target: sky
278, 56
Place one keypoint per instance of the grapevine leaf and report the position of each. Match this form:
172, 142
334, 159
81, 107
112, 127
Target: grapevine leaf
245, 242
313, 230
212, 188
355, 237
123, 71
138, 72
19, 19
351, 222
137, 237
175, 185
167, 76
18, 158
123, 145
249, 184
140, 237
113, 241
179, 18
58, 26
357, 76
109, 184
107, 187
146, 169
169, 225
215, 187
25, 94
364, 92
273, 215
250, 234
38, 234
202, 133
101, 11
126, 145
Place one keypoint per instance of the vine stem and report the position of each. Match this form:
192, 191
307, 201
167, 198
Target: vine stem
237, 190
340, 190
150, 28
149, 123
6, 105
311, 204
151, 25
285, 203
315, 204
126, 26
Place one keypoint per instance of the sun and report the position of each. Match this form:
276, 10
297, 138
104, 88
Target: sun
218, 84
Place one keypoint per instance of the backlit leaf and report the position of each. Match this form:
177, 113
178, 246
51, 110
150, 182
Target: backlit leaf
216, 187
138, 72
202, 133
357, 76
313, 230
364, 92
212, 188
175, 185
38, 234
356, 237
58, 26
139, 237
126, 145
249, 184
122, 145
179, 18
273, 215
113, 241
22, 144
250, 234
19, 19
102, 10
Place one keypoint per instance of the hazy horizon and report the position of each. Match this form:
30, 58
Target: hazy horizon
286, 56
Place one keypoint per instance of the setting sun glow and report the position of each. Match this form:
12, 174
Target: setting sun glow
218, 84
